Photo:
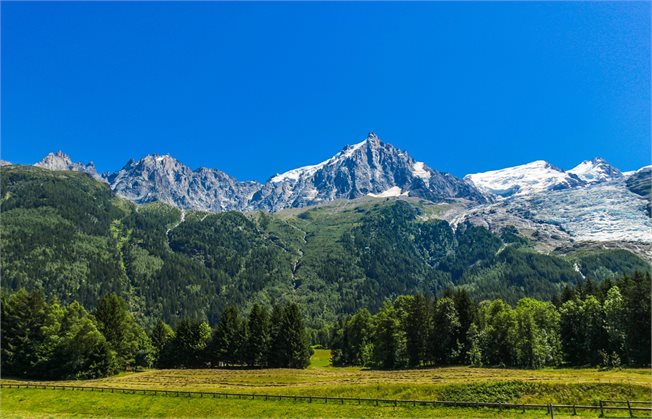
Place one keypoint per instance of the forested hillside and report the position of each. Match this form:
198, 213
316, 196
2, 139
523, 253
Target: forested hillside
68, 235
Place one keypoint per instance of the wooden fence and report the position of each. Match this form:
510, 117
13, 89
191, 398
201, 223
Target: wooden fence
603, 406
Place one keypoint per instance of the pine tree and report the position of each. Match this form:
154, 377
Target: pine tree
297, 345
416, 329
258, 337
466, 314
277, 356
28, 333
636, 294
228, 339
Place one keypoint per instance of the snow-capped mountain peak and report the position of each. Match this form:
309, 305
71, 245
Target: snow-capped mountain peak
596, 170
347, 151
370, 167
524, 179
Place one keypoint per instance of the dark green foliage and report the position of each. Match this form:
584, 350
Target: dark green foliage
536, 272
510, 235
607, 326
474, 245
228, 340
609, 264
289, 343
296, 340
352, 344
82, 351
26, 339
161, 335
43, 340
636, 295
444, 330
389, 339
187, 348
257, 344
613, 318
416, 329
123, 334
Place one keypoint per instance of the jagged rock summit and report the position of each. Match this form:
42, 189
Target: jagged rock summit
165, 179
368, 168
61, 161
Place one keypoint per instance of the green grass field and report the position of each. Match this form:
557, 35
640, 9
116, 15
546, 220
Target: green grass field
560, 386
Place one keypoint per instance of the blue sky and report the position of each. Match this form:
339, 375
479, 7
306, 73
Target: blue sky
255, 89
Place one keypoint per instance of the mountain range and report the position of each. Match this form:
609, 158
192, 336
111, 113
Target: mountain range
369, 168
592, 202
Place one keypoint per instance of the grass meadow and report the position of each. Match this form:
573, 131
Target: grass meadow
557, 386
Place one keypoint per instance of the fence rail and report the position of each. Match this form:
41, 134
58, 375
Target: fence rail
602, 406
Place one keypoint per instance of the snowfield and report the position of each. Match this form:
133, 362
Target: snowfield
604, 212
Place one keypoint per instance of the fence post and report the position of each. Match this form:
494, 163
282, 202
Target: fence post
601, 409
629, 407
574, 411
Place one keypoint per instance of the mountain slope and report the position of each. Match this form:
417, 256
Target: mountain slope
69, 235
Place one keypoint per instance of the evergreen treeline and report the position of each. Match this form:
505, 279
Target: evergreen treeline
274, 340
606, 325
41, 339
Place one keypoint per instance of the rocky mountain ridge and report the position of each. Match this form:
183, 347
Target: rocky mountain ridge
368, 168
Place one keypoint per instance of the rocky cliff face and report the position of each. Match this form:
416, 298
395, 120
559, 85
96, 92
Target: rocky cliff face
165, 179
